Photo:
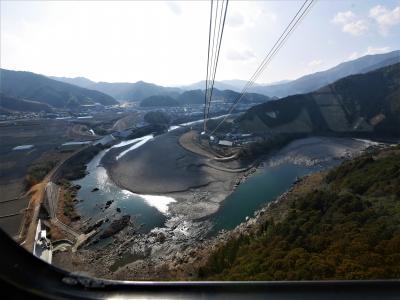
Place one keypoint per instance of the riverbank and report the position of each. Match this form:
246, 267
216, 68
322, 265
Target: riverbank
163, 167
154, 258
189, 260
176, 249
326, 230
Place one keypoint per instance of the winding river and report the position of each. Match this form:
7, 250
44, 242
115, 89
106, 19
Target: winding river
299, 158
148, 211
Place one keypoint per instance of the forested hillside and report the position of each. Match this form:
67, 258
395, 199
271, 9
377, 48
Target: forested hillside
359, 103
345, 225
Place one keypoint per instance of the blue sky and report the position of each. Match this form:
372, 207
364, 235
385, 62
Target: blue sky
166, 42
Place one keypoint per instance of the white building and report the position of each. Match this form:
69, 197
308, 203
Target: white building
42, 247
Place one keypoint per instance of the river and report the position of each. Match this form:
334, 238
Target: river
148, 211
278, 173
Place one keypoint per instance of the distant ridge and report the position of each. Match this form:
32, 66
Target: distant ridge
136, 92
233, 85
123, 91
317, 80
39, 88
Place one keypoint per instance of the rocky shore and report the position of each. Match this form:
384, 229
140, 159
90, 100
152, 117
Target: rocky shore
177, 250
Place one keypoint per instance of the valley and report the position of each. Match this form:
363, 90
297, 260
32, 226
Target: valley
127, 175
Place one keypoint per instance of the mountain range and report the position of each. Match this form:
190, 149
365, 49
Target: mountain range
233, 85
197, 97
140, 90
312, 82
38, 88
63, 92
123, 91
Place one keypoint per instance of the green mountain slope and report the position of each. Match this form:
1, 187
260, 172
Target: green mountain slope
35, 87
345, 225
191, 97
367, 102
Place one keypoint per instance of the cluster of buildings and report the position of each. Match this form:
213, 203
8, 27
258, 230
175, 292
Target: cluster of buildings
23, 115
217, 107
235, 139
186, 110
85, 111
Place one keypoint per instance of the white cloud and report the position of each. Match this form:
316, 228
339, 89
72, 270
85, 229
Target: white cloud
355, 28
370, 51
385, 18
377, 11
343, 17
315, 63
350, 23
240, 55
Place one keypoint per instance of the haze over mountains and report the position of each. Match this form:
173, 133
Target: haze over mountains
311, 82
63, 92
123, 91
140, 90
317, 80
234, 85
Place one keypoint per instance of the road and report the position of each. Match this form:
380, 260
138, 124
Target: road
38, 193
